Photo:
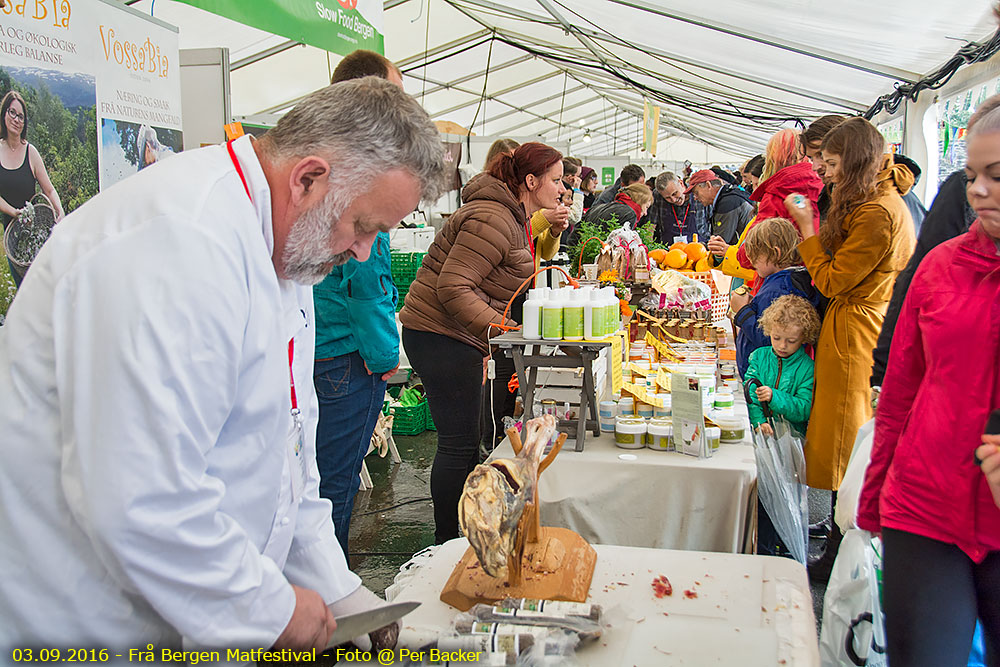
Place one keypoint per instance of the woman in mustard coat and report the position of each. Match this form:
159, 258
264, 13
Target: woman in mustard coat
864, 243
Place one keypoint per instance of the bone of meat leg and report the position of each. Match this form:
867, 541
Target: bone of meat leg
495, 497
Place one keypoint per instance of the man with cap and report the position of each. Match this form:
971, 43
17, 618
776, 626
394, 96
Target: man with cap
675, 214
729, 208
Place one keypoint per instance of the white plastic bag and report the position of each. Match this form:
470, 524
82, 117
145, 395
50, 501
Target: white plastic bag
853, 627
846, 511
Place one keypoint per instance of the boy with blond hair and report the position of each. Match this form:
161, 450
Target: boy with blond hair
781, 374
772, 246
783, 368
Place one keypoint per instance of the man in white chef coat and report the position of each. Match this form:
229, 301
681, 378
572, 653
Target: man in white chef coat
158, 478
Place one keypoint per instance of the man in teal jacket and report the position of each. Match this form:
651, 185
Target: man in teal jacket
357, 350
357, 345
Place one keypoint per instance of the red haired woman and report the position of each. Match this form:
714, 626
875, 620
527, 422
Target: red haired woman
786, 170
470, 272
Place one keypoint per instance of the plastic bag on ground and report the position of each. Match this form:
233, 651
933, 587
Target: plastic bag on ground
853, 626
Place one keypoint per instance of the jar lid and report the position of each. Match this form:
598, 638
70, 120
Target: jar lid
713, 432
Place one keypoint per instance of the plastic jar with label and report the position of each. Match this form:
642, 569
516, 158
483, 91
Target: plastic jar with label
732, 428
659, 435
625, 406
630, 432
713, 437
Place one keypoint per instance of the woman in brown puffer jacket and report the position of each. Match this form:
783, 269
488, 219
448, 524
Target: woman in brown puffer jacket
477, 261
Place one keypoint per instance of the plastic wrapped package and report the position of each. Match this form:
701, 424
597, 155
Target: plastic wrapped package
679, 291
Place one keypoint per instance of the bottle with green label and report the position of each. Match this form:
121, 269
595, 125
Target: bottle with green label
573, 315
611, 316
552, 316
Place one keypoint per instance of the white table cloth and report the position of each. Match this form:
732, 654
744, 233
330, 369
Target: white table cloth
749, 610
662, 500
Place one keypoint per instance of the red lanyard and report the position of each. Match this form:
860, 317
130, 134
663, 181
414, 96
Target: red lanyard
531, 241
291, 341
291, 376
239, 170
683, 223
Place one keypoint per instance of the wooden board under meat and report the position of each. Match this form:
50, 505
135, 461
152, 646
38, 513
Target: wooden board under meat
559, 566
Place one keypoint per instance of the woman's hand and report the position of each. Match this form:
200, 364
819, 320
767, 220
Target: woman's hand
989, 454
737, 300
718, 246
558, 218
764, 394
801, 213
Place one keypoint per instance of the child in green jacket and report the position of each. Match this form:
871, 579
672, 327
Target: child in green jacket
783, 368
786, 375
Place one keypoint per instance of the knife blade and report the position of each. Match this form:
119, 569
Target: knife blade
355, 625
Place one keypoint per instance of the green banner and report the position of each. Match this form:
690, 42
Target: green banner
339, 26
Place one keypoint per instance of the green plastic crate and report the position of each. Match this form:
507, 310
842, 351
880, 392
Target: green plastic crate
409, 420
404, 268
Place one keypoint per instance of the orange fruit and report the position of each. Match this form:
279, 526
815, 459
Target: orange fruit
676, 259
658, 255
702, 265
680, 245
695, 251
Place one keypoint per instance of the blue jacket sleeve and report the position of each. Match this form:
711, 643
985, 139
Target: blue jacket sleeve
371, 308
751, 336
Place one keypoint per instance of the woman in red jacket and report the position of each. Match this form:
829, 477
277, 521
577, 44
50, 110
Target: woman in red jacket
939, 520
786, 170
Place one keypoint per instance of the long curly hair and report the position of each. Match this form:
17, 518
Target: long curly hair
861, 148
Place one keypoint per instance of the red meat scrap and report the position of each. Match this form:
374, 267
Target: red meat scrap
661, 587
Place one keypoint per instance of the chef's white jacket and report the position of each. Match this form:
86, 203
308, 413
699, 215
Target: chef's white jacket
150, 491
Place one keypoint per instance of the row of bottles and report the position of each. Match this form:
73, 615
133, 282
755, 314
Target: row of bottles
570, 314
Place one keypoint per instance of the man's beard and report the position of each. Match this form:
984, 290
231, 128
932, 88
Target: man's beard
306, 258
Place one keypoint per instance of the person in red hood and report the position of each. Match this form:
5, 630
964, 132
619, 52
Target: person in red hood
937, 511
786, 170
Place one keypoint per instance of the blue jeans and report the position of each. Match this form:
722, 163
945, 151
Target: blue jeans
349, 402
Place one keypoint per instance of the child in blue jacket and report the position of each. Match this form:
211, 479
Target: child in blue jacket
771, 246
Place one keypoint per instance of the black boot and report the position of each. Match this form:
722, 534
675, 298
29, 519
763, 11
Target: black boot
821, 566
821, 529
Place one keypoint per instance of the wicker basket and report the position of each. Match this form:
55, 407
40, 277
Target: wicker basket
26, 234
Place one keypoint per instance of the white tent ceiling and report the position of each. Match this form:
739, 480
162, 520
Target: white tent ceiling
726, 73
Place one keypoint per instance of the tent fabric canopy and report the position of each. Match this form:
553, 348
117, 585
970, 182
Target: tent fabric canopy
727, 74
